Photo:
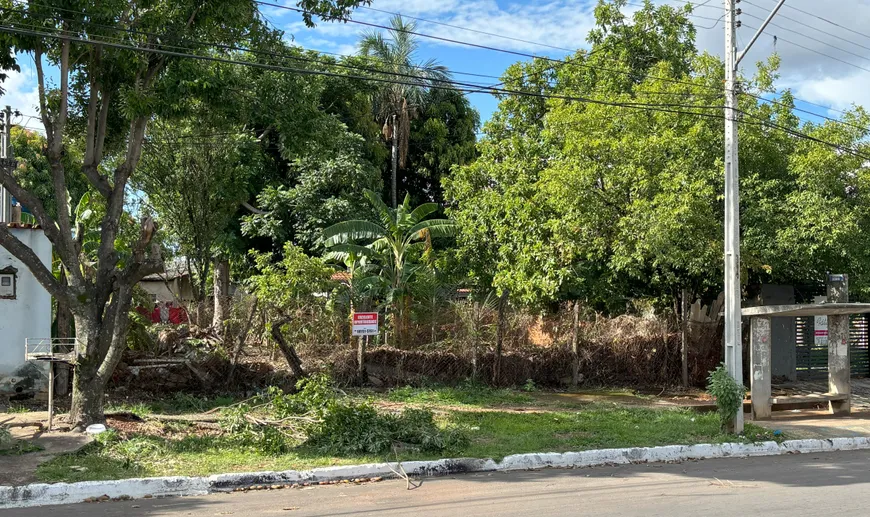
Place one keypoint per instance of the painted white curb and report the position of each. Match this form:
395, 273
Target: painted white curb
41, 494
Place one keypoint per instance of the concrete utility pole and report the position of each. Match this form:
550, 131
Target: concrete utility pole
733, 333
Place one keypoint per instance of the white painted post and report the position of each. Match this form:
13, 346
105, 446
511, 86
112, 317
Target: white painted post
50, 394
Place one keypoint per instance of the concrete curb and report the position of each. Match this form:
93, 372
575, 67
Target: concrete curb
41, 494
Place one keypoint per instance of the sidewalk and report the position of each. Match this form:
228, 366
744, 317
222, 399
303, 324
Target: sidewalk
20, 469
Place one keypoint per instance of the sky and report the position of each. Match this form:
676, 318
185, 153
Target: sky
825, 50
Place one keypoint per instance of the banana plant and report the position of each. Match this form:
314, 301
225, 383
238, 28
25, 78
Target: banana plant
396, 243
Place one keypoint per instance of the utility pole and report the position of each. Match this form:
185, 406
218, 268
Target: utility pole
5, 147
733, 333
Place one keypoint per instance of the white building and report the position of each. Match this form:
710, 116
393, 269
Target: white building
25, 306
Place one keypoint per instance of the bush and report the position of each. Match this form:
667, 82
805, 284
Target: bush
727, 394
320, 416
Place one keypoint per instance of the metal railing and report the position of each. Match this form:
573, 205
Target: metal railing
52, 349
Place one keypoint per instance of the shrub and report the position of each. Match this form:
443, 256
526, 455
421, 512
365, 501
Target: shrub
727, 394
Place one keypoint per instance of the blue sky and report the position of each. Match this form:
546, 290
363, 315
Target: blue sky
834, 80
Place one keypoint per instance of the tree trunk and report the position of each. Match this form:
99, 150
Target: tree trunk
287, 349
64, 331
575, 345
395, 160
240, 343
87, 398
684, 351
499, 338
103, 342
221, 294
361, 359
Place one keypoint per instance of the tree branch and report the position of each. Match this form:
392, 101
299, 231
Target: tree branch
254, 209
68, 255
43, 104
29, 258
96, 132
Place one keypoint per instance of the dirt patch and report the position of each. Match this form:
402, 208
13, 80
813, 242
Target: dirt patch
21, 469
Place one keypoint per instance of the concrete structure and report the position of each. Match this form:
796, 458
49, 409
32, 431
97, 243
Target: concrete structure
761, 346
25, 312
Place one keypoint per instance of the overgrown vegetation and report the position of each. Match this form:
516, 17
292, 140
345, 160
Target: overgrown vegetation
727, 394
320, 417
490, 434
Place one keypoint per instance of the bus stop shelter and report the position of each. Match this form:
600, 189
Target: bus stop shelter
838, 395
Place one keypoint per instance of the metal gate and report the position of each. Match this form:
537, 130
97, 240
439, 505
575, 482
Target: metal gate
812, 359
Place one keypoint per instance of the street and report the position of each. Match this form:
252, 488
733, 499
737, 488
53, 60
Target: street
808, 484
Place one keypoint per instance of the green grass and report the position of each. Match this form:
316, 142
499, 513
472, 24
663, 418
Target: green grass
19, 447
467, 394
18, 409
492, 434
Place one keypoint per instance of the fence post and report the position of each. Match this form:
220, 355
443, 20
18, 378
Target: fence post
684, 351
575, 345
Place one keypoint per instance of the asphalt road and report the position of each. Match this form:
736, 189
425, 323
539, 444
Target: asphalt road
808, 484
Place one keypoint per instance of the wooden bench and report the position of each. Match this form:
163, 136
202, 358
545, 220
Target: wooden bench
809, 398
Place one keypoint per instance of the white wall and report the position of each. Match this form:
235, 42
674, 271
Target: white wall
27, 316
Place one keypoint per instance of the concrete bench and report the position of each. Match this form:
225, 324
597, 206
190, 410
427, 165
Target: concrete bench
808, 398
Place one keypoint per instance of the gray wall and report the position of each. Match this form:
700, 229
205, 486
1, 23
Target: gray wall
782, 332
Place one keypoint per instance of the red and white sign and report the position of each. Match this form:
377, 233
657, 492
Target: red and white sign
821, 330
365, 323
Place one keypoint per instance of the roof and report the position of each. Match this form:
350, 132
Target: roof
340, 276
817, 309
173, 270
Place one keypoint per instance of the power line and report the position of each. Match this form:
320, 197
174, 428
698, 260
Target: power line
816, 16
802, 135
665, 108
811, 38
795, 108
479, 88
227, 47
302, 71
459, 27
470, 88
780, 38
804, 25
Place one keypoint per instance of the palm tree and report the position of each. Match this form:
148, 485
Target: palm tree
396, 243
396, 104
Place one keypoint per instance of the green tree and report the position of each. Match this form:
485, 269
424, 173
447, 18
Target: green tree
397, 242
290, 289
443, 136
195, 177
105, 98
325, 188
396, 104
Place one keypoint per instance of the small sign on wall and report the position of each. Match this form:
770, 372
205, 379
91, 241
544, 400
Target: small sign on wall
365, 323
821, 333
8, 280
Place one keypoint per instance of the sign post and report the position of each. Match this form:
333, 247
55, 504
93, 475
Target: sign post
364, 323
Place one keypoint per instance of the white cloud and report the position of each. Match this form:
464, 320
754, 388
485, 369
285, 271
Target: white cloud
21, 90
559, 23
810, 64
839, 93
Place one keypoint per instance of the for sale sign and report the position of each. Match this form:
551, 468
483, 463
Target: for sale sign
365, 323
821, 330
